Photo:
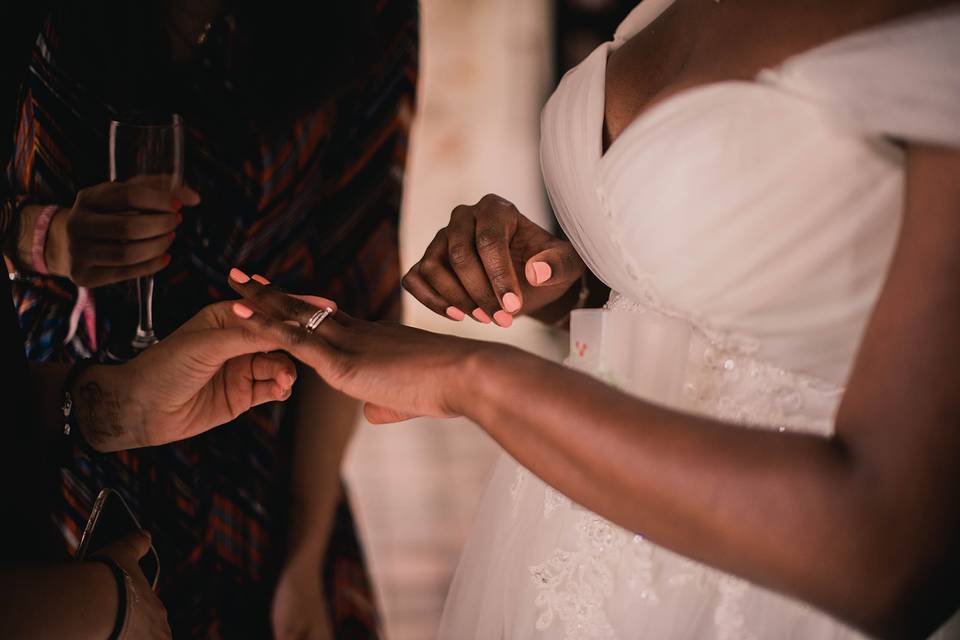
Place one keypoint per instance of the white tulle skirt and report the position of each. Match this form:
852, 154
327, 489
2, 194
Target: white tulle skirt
539, 567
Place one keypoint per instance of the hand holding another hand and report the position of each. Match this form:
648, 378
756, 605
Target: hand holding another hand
209, 371
399, 371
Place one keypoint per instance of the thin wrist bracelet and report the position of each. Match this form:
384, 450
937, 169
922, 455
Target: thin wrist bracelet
71, 431
121, 577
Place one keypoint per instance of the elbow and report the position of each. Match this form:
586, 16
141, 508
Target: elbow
902, 609
899, 590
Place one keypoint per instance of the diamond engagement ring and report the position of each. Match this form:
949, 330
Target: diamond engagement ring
314, 322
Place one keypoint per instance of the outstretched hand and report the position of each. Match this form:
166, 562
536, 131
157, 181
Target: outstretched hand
209, 371
399, 371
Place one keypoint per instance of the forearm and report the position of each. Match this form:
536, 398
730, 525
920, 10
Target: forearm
783, 510
325, 423
76, 601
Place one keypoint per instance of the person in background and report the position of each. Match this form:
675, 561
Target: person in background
203, 375
296, 119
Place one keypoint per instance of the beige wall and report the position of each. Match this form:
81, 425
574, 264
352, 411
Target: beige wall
484, 75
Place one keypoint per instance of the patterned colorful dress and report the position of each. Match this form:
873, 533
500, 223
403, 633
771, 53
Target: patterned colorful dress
310, 199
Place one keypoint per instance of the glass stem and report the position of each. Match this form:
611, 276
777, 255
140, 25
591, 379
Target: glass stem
145, 297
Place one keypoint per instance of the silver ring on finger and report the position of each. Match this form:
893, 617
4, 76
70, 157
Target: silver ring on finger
317, 319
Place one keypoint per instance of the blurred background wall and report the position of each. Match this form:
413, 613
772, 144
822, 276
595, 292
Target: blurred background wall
487, 66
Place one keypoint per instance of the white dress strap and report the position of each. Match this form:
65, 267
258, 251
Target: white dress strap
899, 80
639, 19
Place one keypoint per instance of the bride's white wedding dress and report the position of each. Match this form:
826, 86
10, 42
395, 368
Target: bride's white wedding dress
745, 229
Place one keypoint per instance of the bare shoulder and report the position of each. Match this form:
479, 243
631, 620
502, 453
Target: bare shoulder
699, 41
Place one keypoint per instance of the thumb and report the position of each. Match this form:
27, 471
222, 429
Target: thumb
138, 542
376, 414
216, 346
557, 265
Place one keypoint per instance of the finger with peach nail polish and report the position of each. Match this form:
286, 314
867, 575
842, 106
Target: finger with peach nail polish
538, 273
242, 310
239, 276
481, 316
511, 302
503, 318
259, 278
455, 314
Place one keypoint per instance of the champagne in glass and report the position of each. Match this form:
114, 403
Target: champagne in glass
147, 149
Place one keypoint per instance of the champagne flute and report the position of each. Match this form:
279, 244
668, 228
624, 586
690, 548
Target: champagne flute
147, 148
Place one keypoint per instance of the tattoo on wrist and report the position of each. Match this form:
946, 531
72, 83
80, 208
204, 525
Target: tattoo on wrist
100, 412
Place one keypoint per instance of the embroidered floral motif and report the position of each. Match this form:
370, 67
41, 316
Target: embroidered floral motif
723, 379
553, 500
728, 616
574, 585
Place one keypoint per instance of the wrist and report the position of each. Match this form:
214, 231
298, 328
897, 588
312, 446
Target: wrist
123, 602
104, 412
475, 380
101, 582
56, 240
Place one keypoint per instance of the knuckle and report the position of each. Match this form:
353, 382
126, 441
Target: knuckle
291, 307
247, 334
430, 267
459, 253
497, 204
461, 210
407, 281
294, 337
500, 277
488, 238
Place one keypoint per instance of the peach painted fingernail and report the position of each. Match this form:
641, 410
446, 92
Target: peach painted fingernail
242, 310
259, 278
503, 319
481, 315
511, 302
239, 276
541, 272
455, 314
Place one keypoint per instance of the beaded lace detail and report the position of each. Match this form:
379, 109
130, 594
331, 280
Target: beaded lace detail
723, 380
